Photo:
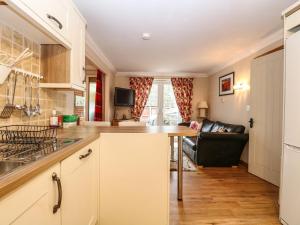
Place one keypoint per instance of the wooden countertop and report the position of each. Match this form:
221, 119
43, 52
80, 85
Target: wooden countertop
170, 130
87, 134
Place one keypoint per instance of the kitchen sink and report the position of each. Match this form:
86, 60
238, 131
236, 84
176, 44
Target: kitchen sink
8, 166
13, 156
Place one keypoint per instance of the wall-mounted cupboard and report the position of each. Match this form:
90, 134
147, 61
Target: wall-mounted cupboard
63, 49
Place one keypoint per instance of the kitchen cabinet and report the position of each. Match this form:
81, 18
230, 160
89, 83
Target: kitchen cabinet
77, 37
63, 61
65, 68
33, 202
53, 20
289, 201
76, 184
134, 179
80, 184
292, 79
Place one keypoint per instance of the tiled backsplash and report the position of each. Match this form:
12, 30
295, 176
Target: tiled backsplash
13, 43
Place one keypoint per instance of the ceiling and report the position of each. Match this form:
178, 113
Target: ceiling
186, 35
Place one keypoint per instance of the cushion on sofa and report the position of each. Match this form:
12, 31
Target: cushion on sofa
195, 125
230, 128
191, 142
217, 125
207, 125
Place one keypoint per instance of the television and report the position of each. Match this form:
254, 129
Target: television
124, 97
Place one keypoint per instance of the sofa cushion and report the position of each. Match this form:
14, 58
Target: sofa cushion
230, 128
191, 142
217, 126
195, 125
207, 125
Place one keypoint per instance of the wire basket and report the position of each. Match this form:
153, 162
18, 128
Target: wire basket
27, 134
26, 152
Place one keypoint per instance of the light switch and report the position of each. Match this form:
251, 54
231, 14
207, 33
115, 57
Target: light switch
248, 108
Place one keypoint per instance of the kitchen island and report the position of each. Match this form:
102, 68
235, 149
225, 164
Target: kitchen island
132, 166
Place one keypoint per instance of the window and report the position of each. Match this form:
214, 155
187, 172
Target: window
161, 107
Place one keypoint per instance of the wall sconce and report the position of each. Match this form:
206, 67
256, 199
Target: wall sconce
241, 87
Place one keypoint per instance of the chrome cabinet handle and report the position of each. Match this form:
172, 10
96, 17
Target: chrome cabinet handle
50, 17
57, 206
86, 155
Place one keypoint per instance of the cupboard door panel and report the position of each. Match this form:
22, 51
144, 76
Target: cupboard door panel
289, 197
56, 16
77, 35
130, 195
292, 94
32, 203
79, 181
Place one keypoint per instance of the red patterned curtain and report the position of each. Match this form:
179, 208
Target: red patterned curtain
142, 87
99, 97
183, 91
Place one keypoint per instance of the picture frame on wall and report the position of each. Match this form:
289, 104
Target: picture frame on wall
226, 84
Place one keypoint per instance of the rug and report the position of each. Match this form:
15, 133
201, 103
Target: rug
188, 165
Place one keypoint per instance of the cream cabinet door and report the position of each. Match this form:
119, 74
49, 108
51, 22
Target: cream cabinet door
53, 12
80, 182
32, 203
292, 94
77, 37
134, 179
51, 15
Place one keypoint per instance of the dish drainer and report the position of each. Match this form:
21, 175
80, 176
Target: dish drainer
27, 134
24, 143
25, 153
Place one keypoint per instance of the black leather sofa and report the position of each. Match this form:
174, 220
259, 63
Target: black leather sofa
213, 148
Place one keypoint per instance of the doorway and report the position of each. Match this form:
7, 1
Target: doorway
91, 97
91, 88
161, 108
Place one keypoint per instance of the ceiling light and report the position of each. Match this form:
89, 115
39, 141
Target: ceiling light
146, 36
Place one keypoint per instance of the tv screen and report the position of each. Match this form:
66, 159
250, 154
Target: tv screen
124, 97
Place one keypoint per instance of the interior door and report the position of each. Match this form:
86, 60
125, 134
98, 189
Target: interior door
266, 110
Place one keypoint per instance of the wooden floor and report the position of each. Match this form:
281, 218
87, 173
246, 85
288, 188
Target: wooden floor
223, 196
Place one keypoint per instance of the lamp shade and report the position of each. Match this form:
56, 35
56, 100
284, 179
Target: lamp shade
203, 105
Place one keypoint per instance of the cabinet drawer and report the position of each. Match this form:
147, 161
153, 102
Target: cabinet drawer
77, 159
